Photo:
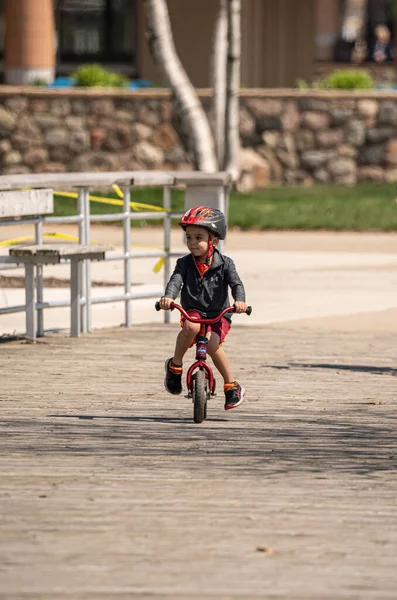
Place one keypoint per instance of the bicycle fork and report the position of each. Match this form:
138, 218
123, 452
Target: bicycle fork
201, 363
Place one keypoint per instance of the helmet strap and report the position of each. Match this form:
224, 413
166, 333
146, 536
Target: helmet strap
210, 251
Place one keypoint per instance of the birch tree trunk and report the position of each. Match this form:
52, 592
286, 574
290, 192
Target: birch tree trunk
162, 46
232, 145
218, 80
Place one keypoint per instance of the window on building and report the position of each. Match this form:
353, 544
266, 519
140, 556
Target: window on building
375, 39
96, 30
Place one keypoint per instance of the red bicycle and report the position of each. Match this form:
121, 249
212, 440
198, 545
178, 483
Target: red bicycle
200, 379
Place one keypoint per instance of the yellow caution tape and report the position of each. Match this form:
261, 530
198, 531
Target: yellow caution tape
159, 265
72, 238
134, 205
114, 202
66, 194
111, 201
65, 236
14, 241
118, 190
151, 207
62, 236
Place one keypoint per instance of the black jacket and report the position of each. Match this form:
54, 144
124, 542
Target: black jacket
207, 294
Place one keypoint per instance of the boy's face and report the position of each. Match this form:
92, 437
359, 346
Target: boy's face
197, 241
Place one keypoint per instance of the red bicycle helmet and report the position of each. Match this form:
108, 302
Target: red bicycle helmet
203, 216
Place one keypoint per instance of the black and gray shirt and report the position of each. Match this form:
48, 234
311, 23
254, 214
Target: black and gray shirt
207, 294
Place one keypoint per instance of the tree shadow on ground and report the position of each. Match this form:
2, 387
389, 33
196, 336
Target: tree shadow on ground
263, 444
135, 418
373, 370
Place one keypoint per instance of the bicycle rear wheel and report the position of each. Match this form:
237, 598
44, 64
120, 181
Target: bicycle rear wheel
199, 397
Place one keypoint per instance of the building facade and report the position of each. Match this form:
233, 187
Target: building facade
282, 40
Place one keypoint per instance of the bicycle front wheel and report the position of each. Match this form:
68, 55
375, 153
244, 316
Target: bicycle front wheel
199, 397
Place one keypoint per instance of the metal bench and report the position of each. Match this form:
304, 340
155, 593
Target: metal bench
19, 203
39, 255
26, 206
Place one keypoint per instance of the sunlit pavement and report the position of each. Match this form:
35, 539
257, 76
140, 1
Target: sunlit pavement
282, 285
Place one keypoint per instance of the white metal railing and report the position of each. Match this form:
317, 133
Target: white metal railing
219, 182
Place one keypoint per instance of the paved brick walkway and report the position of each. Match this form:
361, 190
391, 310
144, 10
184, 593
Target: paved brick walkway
108, 490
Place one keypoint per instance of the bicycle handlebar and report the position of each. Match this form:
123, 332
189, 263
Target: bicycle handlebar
202, 321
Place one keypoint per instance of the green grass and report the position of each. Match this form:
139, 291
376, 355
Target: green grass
365, 207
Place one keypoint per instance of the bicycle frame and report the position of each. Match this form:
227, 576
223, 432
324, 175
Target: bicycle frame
201, 360
200, 378
201, 346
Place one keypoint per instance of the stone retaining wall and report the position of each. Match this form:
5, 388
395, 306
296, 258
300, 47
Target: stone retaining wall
319, 138
288, 136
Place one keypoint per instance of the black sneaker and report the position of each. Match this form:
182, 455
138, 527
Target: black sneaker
234, 395
173, 378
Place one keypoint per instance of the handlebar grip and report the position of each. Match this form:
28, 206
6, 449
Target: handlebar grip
158, 307
249, 310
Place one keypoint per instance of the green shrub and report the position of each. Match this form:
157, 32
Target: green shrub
38, 82
96, 76
301, 84
349, 79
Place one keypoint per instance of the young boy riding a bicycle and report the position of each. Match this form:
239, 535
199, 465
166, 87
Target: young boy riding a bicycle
203, 278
